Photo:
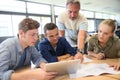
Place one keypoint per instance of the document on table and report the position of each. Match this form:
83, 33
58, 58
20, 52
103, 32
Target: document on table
87, 59
93, 70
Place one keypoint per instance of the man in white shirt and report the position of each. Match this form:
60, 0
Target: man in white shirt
73, 25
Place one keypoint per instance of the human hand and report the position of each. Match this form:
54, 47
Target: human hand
100, 56
33, 74
116, 66
79, 56
70, 58
42, 66
40, 74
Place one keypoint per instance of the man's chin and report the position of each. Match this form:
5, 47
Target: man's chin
31, 45
101, 41
72, 19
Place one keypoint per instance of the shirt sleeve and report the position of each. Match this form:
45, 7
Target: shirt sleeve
37, 58
4, 63
118, 47
90, 45
84, 26
61, 26
7, 75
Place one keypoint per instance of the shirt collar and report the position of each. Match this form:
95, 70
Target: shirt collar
19, 47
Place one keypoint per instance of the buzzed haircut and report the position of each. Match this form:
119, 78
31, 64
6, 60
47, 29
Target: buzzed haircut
28, 24
49, 26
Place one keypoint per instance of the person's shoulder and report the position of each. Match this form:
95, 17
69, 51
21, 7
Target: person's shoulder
93, 38
62, 39
116, 38
9, 41
82, 18
116, 41
44, 42
63, 15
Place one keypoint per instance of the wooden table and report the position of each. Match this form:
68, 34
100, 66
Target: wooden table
101, 77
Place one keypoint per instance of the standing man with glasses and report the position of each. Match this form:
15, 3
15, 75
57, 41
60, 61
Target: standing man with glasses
18, 52
73, 26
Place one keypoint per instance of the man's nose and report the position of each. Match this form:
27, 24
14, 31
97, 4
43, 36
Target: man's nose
72, 14
36, 37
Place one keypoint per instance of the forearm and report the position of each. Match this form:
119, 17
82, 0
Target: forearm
30, 74
81, 39
21, 76
99, 55
68, 58
63, 57
42, 65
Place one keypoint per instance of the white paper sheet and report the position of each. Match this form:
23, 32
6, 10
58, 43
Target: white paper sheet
87, 59
93, 69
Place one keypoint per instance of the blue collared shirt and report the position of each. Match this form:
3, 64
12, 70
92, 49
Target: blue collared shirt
50, 54
10, 56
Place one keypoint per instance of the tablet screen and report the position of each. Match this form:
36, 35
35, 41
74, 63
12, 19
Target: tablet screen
63, 67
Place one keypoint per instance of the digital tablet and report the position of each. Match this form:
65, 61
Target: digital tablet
63, 67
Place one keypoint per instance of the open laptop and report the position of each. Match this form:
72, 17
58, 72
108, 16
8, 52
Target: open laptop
64, 67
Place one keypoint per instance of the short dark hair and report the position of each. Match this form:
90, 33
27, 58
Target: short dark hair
49, 26
73, 2
28, 24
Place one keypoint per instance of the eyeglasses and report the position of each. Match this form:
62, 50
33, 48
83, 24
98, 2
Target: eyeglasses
34, 35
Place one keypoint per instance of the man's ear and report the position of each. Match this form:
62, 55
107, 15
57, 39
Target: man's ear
45, 35
112, 34
21, 32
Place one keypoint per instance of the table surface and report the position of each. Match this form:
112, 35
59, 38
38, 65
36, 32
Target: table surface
101, 77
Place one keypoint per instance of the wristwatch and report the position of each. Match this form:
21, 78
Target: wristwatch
80, 50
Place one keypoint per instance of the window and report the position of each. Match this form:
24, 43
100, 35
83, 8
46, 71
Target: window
112, 17
58, 10
16, 19
106, 16
38, 8
12, 5
42, 21
91, 26
98, 15
88, 14
9, 24
98, 21
5, 25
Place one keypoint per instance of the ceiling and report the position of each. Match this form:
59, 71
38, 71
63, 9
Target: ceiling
105, 6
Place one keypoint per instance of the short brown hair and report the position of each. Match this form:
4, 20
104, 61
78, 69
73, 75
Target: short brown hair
110, 23
73, 2
28, 24
49, 26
